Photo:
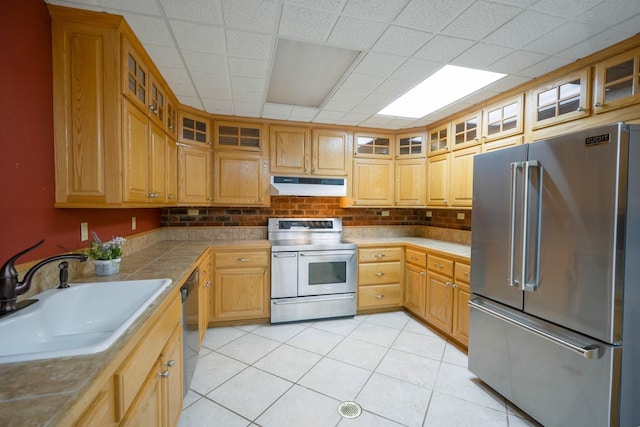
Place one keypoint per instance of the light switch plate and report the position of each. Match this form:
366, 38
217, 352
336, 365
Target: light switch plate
134, 223
84, 231
385, 213
193, 212
429, 214
460, 215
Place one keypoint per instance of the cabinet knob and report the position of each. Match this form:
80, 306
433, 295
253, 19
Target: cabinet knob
379, 296
165, 374
171, 197
171, 363
422, 273
455, 286
466, 273
598, 104
580, 109
447, 283
206, 285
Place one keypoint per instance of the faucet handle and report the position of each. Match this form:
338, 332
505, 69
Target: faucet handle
64, 275
8, 270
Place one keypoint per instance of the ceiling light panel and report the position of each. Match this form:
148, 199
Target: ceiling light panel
305, 73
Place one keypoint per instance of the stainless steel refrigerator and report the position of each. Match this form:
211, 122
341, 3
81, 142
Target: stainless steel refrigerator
555, 277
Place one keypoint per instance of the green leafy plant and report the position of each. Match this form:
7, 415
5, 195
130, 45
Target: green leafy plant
105, 250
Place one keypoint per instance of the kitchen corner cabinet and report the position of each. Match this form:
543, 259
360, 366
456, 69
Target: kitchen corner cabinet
194, 176
617, 82
240, 179
193, 128
107, 151
205, 292
241, 286
438, 168
461, 296
410, 145
379, 278
411, 182
372, 183
239, 136
330, 152
450, 178
415, 291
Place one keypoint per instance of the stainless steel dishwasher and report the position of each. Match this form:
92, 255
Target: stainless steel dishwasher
190, 334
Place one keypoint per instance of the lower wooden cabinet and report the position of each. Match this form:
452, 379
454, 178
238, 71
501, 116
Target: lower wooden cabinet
241, 286
415, 282
205, 282
379, 278
461, 295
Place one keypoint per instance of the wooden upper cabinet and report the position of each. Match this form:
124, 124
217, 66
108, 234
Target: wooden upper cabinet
560, 100
290, 150
461, 179
411, 182
372, 182
172, 117
410, 145
617, 82
136, 76
439, 140
172, 172
157, 101
135, 153
240, 178
438, 180
374, 145
466, 130
194, 176
330, 152
239, 136
503, 119
193, 128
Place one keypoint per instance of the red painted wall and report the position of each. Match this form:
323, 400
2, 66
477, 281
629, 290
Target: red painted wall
27, 171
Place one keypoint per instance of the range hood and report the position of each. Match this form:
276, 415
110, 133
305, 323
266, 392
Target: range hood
308, 186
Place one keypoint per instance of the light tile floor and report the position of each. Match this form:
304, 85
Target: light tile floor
396, 368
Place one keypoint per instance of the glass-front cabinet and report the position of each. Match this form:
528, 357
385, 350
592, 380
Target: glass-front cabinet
466, 130
239, 136
560, 100
439, 140
193, 128
503, 119
410, 145
617, 82
373, 145
136, 77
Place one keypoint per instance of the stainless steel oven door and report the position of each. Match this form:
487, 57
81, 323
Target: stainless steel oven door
326, 272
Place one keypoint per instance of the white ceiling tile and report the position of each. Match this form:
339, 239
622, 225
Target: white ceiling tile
545, 66
379, 99
375, 10
362, 82
505, 84
443, 49
481, 19
147, 7
203, 11
223, 94
191, 101
247, 108
249, 45
246, 67
181, 90
307, 24
348, 95
516, 61
218, 106
416, 70
150, 30
519, 3
199, 38
564, 37
247, 84
303, 113
256, 15
630, 26
595, 43
344, 106
396, 87
611, 12
205, 62
208, 80
481, 55
164, 56
524, 29
379, 64
367, 109
84, 4
431, 15
281, 109
401, 41
327, 116
176, 75
326, 5
566, 9
355, 33
243, 96
355, 117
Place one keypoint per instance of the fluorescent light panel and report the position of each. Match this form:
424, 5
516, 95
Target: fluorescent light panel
448, 84
305, 73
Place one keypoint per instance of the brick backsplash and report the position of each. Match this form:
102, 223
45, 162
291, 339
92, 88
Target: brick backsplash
310, 207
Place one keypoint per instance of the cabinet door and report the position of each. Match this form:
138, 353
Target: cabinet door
415, 289
157, 165
194, 175
460, 328
100, 411
411, 145
438, 180
560, 101
331, 152
617, 82
135, 153
439, 140
372, 182
193, 129
290, 150
411, 183
461, 180
157, 101
439, 301
241, 293
172, 117
374, 145
239, 136
503, 119
466, 130
240, 178
172, 172
146, 409
136, 76
171, 378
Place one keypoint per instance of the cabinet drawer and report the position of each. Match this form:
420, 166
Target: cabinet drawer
379, 273
133, 373
379, 254
416, 257
241, 259
462, 273
380, 296
441, 265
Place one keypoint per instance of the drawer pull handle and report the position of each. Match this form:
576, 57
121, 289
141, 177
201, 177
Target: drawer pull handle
380, 255
243, 259
165, 374
466, 273
438, 265
379, 273
379, 296
414, 257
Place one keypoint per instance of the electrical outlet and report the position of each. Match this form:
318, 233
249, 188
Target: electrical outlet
460, 215
134, 223
193, 212
385, 213
429, 214
84, 231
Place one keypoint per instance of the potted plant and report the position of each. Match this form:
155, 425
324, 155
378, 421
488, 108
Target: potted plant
106, 255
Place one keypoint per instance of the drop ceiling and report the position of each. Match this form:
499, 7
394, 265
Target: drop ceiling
217, 55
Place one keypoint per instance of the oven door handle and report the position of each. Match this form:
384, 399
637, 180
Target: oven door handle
301, 301
327, 253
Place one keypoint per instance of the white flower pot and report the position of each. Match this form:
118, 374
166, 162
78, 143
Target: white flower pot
107, 267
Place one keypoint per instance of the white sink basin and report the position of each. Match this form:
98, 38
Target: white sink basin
79, 320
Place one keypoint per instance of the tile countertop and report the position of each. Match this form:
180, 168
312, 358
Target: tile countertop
39, 392
455, 250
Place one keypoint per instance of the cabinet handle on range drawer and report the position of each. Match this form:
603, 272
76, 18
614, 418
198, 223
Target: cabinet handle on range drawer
379, 296
438, 265
380, 255
243, 259
165, 374
171, 363
379, 273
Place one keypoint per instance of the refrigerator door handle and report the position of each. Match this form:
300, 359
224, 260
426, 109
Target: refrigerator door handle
591, 351
512, 226
525, 284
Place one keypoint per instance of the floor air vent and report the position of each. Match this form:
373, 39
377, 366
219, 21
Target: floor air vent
349, 410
